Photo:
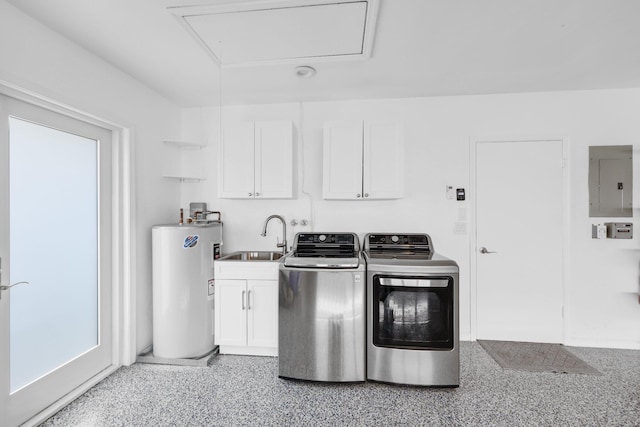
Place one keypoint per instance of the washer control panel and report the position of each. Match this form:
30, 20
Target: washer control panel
326, 238
397, 239
397, 242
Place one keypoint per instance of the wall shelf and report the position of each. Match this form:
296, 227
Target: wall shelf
182, 161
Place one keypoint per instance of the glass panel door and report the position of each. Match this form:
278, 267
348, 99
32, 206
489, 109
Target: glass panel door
56, 327
54, 245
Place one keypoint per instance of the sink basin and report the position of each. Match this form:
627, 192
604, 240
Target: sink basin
252, 256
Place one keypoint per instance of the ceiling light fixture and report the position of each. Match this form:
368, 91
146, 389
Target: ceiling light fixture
305, 72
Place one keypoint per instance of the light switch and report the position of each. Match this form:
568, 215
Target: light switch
451, 194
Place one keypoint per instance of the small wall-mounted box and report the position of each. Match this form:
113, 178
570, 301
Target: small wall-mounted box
598, 231
619, 230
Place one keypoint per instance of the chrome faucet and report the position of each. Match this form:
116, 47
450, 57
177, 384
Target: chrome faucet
282, 245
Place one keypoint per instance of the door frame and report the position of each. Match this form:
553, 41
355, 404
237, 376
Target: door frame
473, 244
123, 234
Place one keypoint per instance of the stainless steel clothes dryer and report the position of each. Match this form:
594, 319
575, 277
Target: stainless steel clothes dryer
412, 312
322, 312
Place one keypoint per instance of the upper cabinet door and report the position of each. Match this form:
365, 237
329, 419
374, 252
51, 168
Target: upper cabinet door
274, 159
237, 162
383, 174
342, 168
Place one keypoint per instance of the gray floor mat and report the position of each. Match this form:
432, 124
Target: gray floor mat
537, 357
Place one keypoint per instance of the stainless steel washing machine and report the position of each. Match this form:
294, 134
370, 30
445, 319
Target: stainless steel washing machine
412, 312
322, 311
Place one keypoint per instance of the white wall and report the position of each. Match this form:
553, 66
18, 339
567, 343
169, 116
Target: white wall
603, 285
603, 307
37, 59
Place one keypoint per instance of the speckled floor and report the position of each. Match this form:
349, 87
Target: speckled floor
240, 390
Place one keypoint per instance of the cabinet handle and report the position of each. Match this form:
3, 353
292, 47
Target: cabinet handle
250, 194
366, 194
243, 292
249, 300
358, 195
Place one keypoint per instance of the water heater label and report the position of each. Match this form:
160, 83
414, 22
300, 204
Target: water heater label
190, 241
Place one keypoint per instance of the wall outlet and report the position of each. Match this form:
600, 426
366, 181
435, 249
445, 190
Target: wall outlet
598, 231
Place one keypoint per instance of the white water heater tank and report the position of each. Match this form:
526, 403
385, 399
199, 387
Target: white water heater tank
183, 288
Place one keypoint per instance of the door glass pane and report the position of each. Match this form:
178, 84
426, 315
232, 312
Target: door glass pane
413, 317
54, 246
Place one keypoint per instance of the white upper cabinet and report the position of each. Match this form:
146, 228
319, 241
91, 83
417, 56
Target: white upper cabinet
256, 161
274, 160
363, 160
342, 166
383, 160
237, 161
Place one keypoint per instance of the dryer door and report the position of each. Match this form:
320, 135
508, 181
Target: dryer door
413, 312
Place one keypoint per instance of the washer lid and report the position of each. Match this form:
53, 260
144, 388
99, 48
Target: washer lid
324, 250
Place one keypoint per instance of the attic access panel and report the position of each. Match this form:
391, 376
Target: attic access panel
249, 33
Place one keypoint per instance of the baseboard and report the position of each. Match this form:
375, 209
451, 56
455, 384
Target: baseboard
248, 351
600, 343
50, 410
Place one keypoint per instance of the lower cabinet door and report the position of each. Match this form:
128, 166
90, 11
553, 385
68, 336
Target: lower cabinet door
231, 312
262, 313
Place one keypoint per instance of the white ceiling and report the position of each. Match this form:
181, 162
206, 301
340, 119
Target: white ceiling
420, 48
286, 33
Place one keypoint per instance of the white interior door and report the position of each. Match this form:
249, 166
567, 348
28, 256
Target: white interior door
55, 234
519, 273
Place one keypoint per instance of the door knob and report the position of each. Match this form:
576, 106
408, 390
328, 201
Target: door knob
484, 250
7, 287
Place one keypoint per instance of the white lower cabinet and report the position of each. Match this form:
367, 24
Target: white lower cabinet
246, 314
